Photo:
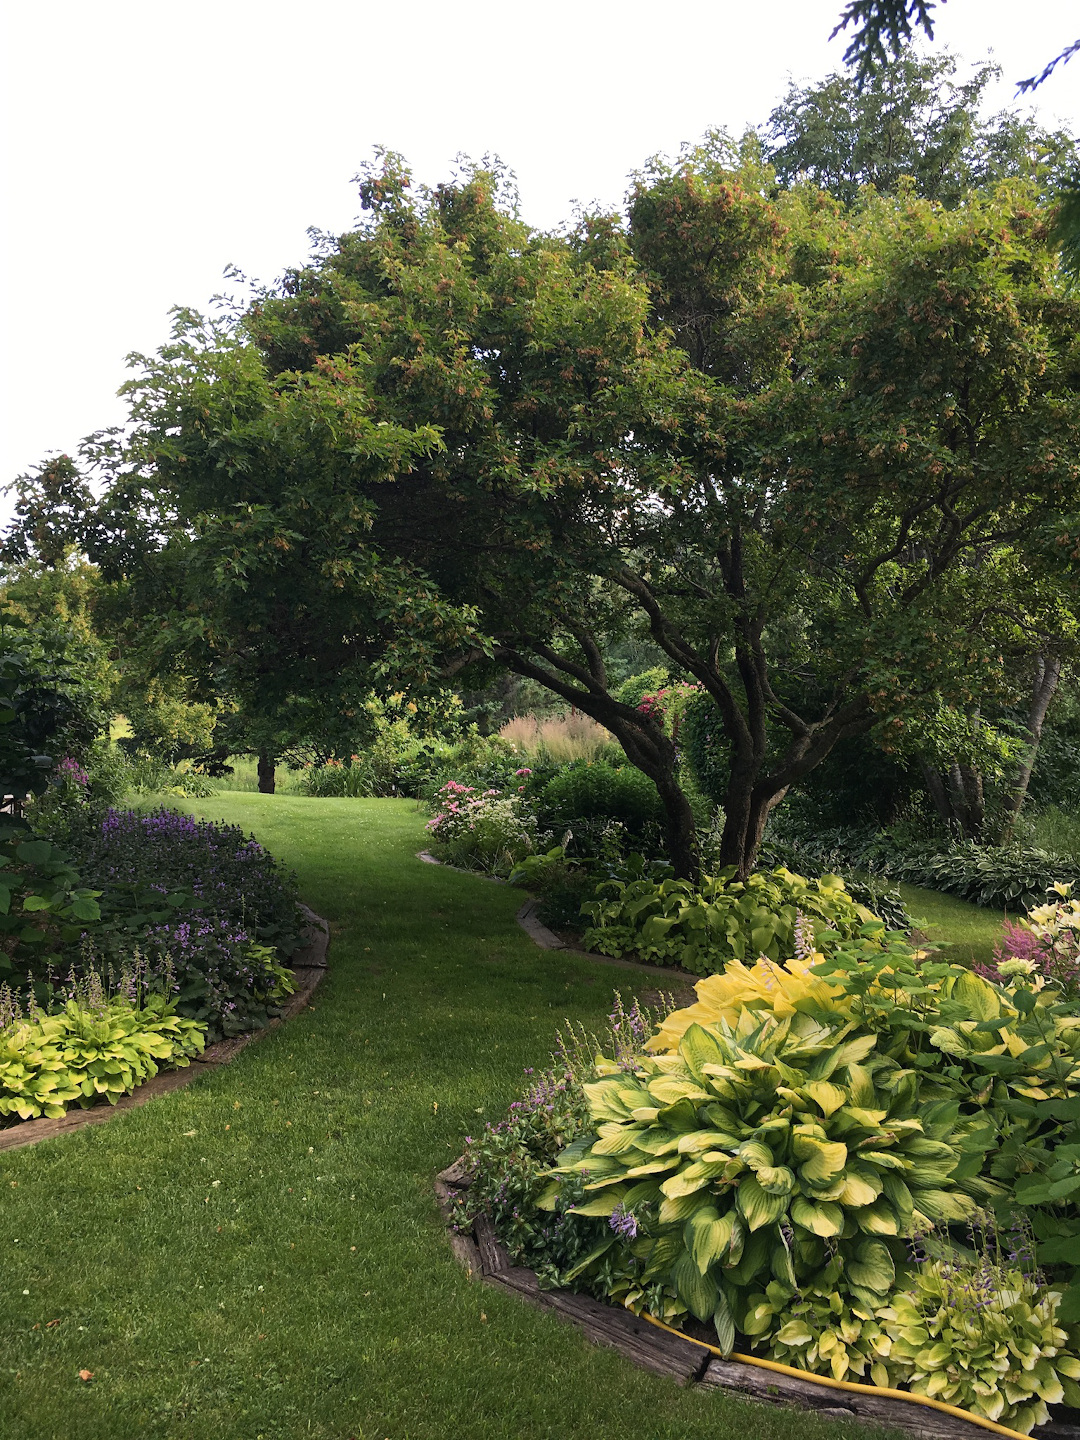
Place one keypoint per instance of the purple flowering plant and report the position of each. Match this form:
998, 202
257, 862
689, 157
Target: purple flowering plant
512, 1158
202, 902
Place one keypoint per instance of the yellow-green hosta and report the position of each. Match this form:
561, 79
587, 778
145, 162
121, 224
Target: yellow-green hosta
767, 986
82, 1055
760, 1147
987, 1341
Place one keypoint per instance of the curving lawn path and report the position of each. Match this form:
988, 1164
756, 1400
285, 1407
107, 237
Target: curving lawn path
259, 1257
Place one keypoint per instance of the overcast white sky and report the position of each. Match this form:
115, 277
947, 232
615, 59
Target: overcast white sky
152, 142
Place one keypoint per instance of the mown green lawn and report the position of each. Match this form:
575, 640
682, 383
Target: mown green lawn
259, 1257
964, 932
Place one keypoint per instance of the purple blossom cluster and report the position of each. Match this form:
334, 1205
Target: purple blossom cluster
69, 770
1018, 942
203, 903
225, 872
623, 1223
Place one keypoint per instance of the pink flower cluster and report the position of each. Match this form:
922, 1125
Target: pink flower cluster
1018, 942
456, 804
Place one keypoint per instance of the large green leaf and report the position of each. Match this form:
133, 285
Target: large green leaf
824, 1218
758, 1207
699, 1292
873, 1267
700, 1049
707, 1235
822, 1160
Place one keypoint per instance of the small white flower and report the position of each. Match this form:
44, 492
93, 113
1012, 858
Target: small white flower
1016, 967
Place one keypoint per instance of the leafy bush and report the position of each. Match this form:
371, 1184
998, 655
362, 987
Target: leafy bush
868, 890
796, 1157
1013, 877
743, 1152
356, 778
44, 904
984, 1337
511, 1160
88, 1052
978, 1331
599, 791
482, 829
702, 929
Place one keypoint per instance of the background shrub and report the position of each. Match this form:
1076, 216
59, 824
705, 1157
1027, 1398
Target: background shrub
776, 914
600, 791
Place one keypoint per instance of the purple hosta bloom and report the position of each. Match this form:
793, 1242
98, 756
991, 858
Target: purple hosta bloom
805, 943
623, 1223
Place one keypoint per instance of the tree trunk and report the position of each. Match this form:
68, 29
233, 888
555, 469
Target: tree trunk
974, 801
1047, 675
680, 830
267, 772
747, 808
938, 794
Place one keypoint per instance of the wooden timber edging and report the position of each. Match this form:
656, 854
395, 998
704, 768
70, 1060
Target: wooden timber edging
680, 1358
538, 932
308, 967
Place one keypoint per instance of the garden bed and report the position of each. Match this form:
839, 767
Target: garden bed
690, 1361
308, 967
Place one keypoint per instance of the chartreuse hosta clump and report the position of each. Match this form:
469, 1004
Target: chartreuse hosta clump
972, 1331
820, 1159
770, 1148
89, 1053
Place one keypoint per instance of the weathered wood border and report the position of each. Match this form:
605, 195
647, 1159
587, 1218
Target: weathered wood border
538, 932
684, 1361
308, 966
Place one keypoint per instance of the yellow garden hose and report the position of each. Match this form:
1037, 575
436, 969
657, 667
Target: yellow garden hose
851, 1385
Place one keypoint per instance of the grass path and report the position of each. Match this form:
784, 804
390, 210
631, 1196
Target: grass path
258, 1256
964, 931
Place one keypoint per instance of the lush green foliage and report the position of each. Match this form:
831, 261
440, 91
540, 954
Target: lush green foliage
771, 1156
617, 407
44, 904
704, 927
754, 1143
89, 1052
911, 123
599, 791
1013, 877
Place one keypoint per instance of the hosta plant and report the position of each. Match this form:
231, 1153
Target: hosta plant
819, 1330
776, 914
90, 1052
764, 1149
985, 1338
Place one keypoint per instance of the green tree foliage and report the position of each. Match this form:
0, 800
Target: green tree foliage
800, 448
912, 121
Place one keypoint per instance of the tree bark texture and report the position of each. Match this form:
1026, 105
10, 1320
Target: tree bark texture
267, 773
1047, 675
